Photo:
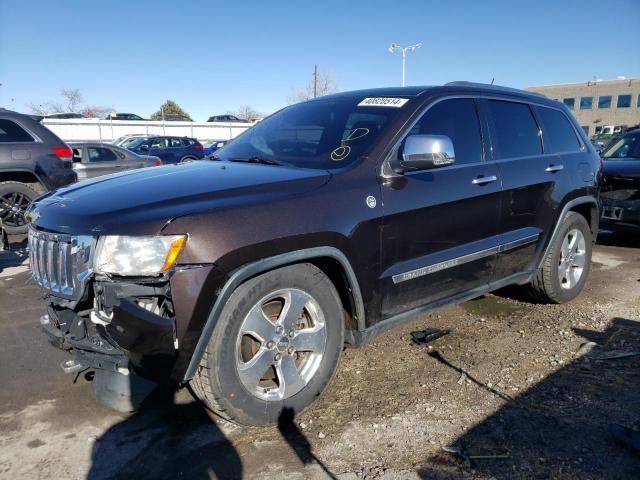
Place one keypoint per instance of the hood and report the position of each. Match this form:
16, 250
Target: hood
622, 168
142, 202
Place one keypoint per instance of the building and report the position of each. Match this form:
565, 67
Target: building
600, 106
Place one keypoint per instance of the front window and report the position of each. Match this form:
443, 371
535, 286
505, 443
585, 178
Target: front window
624, 101
326, 133
627, 148
586, 103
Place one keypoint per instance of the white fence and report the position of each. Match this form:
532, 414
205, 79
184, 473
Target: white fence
92, 130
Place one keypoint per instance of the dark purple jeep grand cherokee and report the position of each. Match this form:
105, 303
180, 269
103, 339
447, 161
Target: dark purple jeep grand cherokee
325, 224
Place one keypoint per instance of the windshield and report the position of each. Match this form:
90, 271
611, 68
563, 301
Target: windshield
327, 133
627, 148
133, 142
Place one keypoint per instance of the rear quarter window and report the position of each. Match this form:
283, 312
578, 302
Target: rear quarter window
515, 131
558, 135
12, 132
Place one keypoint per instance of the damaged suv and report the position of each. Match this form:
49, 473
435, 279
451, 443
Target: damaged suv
327, 223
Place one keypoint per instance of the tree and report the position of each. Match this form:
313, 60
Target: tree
320, 84
169, 107
247, 113
72, 101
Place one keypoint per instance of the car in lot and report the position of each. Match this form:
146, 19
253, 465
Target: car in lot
211, 146
168, 149
620, 194
226, 118
123, 116
329, 222
94, 159
33, 160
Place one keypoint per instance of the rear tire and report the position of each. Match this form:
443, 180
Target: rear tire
15, 197
186, 159
566, 266
298, 353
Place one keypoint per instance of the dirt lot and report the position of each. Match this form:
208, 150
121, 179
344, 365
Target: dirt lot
509, 393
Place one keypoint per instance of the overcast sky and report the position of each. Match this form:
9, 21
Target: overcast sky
214, 56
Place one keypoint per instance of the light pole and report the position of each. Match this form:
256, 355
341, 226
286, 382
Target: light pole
394, 46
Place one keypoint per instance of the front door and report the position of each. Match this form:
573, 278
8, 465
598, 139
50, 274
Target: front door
440, 226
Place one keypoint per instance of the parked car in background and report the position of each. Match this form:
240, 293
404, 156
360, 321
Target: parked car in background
125, 139
33, 160
174, 117
328, 223
169, 149
620, 194
95, 159
123, 116
212, 145
602, 140
226, 118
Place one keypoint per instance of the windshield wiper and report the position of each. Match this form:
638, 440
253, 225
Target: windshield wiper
256, 159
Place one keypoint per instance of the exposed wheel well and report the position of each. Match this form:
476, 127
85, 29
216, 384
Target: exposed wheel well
23, 177
590, 212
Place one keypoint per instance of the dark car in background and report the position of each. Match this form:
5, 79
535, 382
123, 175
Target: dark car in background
620, 194
33, 160
328, 223
168, 149
124, 116
95, 159
226, 118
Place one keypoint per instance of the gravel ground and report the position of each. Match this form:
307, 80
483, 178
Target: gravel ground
516, 390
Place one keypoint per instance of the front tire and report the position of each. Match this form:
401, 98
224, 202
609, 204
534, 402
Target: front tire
276, 345
566, 266
15, 197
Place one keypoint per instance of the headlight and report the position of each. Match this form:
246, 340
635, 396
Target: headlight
137, 256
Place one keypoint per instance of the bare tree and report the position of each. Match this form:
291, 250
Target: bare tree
320, 84
72, 101
247, 113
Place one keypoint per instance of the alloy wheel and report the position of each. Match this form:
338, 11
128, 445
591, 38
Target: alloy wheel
280, 344
13, 206
572, 259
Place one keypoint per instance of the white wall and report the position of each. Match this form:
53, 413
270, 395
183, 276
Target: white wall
80, 130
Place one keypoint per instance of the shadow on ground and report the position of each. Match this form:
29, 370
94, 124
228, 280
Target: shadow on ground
169, 440
560, 427
14, 254
619, 239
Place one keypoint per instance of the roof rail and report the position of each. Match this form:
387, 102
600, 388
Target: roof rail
462, 83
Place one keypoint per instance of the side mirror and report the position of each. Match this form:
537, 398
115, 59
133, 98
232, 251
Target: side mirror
426, 151
144, 148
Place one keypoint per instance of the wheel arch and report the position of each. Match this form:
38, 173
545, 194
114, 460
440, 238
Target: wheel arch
586, 206
22, 176
330, 260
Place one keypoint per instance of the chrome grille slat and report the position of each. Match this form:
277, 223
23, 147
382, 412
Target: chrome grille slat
61, 263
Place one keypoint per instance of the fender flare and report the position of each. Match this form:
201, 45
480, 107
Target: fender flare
250, 270
587, 199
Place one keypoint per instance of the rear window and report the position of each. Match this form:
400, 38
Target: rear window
515, 130
558, 134
12, 132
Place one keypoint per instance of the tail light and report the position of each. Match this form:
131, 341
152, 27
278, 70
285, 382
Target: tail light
157, 163
63, 153
199, 146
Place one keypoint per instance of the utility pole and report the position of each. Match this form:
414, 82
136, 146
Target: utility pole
394, 46
315, 81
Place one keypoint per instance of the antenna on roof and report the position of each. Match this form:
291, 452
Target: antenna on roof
493, 80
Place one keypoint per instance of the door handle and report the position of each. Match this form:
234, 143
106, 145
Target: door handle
484, 180
554, 168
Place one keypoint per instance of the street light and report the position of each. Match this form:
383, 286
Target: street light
394, 46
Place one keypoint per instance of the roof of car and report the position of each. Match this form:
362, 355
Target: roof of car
458, 86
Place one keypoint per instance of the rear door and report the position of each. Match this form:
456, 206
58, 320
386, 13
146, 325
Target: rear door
439, 235
531, 180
